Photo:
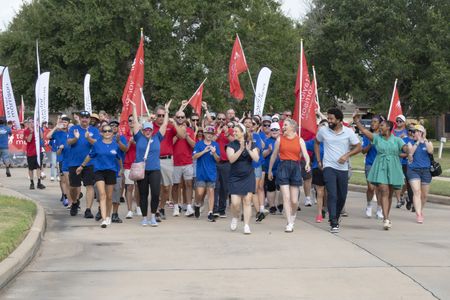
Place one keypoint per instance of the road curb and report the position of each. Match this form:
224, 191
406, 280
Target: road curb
431, 198
24, 253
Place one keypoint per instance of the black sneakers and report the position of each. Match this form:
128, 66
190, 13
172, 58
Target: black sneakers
98, 216
40, 186
74, 209
31, 186
122, 200
8, 173
88, 214
197, 211
259, 217
115, 218
162, 213
211, 217
273, 210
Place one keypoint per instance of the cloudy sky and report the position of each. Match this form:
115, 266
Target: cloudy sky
295, 9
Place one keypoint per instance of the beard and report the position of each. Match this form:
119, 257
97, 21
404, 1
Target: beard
332, 126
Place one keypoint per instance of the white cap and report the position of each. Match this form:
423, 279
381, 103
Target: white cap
275, 125
402, 117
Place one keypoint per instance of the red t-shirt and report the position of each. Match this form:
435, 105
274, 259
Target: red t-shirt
166, 147
222, 140
130, 156
31, 146
182, 151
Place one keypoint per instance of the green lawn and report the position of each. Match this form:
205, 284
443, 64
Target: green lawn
16, 218
438, 187
358, 160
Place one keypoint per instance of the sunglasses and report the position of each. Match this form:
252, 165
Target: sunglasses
129, 121
107, 130
148, 129
180, 117
273, 129
399, 121
161, 116
287, 115
221, 119
194, 120
266, 125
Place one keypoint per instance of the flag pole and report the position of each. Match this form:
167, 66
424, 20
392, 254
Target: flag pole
315, 88
248, 70
37, 58
392, 98
301, 88
197, 90
145, 103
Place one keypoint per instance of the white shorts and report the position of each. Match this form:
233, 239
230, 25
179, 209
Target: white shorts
187, 172
126, 174
166, 171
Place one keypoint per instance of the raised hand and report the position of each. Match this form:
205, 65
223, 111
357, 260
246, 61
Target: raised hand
167, 105
356, 116
86, 134
213, 149
76, 133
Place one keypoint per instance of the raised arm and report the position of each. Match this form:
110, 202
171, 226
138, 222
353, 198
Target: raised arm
136, 125
362, 129
163, 127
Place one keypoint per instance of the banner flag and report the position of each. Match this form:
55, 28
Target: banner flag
238, 64
87, 94
37, 122
132, 91
395, 108
42, 97
2, 106
196, 99
8, 99
262, 85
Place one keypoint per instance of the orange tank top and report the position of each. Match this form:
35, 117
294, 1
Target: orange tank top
290, 148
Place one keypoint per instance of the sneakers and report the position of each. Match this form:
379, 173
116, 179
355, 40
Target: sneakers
319, 219
138, 211
324, 213
222, 215
8, 173
413, 209
273, 210
197, 211
43, 176
115, 218
260, 216
308, 201
74, 209
211, 217
65, 202
129, 215
334, 228
190, 211
52, 178
104, 224
162, 213
98, 216
387, 224
280, 209
108, 220
233, 225
40, 186
247, 229
379, 213
122, 200
289, 227
88, 214
158, 217
31, 186
408, 205
176, 210
344, 213
216, 214
144, 221
419, 219
369, 211
153, 222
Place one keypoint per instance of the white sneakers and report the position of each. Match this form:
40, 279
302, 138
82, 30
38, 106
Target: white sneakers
233, 225
379, 213
108, 221
369, 211
129, 215
189, 211
104, 224
247, 229
52, 178
387, 224
138, 211
289, 227
308, 201
176, 210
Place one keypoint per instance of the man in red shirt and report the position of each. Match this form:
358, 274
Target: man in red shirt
183, 165
166, 156
32, 162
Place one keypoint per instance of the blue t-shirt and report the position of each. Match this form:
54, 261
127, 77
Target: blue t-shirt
371, 154
421, 158
5, 132
153, 162
59, 138
258, 142
104, 156
401, 133
270, 141
206, 164
310, 147
406, 140
81, 148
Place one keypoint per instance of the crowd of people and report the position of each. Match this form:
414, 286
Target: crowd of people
251, 163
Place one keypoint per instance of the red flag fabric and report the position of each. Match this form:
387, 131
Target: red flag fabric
132, 91
238, 64
196, 100
2, 105
307, 122
395, 108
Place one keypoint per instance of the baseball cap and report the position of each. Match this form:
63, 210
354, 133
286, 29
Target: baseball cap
275, 118
209, 129
65, 118
419, 128
85, 113
114, 122
147, 125
275, 125
402, 117
267, 118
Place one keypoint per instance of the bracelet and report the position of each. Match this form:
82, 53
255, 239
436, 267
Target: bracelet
82, 166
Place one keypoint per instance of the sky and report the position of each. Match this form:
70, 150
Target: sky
295, 9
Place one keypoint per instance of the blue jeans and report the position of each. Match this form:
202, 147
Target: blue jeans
336, 183
221, 190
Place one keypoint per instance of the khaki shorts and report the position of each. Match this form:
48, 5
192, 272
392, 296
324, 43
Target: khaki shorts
187, 172
167, 171
126, 174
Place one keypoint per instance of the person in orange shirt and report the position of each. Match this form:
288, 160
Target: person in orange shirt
290, 147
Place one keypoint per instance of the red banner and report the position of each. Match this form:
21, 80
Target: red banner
395, 108
238, 64
196, 100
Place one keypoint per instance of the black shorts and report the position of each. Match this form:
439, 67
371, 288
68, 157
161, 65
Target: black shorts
61, 172
271, 186
108, 176
32, 163
317, 177
87, 176
305, 175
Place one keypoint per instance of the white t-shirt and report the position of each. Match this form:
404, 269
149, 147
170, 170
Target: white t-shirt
336, 144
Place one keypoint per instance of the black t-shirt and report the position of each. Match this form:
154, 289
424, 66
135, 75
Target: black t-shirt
243, 165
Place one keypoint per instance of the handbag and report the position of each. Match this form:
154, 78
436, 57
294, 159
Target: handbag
137, 170
435, 167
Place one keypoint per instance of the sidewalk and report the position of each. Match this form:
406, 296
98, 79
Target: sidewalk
194, 259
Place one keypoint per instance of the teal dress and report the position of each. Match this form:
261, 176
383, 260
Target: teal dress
386, 168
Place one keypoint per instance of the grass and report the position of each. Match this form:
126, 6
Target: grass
438, 187
358, 160
16, 217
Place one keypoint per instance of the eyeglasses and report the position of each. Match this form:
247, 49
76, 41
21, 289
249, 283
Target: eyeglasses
273, 129
266, 125
180, 117
107, 130
148, 129
194, 120
161, 116
221, 119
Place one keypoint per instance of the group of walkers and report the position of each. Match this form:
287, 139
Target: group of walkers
230, 162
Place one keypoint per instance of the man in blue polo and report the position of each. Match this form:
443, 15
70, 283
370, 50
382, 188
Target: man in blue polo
79, 149
339, 144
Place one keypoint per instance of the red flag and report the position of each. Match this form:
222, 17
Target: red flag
238, 64
21, 111
307, 122
132, 91
2, 106
395, 109
196, 100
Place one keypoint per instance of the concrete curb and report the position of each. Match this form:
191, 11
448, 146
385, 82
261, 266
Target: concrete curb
24, 253
431, 198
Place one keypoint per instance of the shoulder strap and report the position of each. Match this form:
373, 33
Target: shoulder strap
148, 148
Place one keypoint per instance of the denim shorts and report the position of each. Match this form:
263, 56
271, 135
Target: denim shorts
4, 156
367, 169
289, 173
205, 184
422, 174
258, 172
